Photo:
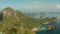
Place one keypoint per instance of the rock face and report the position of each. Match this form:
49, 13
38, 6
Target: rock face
7, 11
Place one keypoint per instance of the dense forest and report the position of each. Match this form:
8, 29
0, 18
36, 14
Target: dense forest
16, 22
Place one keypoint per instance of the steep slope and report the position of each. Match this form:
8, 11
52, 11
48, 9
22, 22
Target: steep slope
13, 20
7, 11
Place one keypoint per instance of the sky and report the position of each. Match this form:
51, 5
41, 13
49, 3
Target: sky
32, 5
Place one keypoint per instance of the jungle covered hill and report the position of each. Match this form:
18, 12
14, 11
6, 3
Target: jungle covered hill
16, 22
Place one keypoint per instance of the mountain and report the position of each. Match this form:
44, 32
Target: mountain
15, 22
7, 11
11, 20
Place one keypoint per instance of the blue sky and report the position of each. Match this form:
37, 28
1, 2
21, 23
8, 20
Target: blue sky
32, 5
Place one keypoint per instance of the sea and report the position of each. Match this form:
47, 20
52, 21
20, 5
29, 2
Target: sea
57, 29
50, 14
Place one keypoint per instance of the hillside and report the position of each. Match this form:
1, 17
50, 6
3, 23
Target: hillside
15, 22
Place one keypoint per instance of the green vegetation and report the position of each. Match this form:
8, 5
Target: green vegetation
16, 22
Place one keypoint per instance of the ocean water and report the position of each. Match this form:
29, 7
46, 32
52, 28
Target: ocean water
57, 30
49, 14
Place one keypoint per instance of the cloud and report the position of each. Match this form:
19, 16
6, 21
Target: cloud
40, 6
58, 6
35, 3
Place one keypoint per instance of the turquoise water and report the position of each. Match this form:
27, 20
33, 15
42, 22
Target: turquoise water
50, 14
57, 30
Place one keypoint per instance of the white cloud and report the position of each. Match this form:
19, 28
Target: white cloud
34, 3
37, 3
40, 6
58, 6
